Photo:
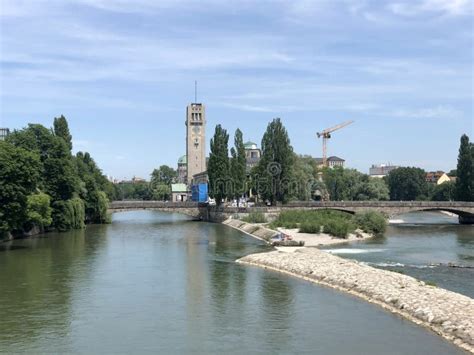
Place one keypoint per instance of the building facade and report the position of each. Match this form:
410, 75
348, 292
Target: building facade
381, 170
182, 170
437, 177
195, 140
331, 162
179, 192
252, 155
4, 132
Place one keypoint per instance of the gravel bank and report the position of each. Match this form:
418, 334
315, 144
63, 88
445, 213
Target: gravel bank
449, 314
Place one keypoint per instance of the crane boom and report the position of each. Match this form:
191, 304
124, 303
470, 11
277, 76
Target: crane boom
326, 134
339, 126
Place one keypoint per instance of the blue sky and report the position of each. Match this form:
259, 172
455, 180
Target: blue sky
122, 72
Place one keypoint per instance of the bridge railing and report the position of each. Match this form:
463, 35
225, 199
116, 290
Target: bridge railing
421, 204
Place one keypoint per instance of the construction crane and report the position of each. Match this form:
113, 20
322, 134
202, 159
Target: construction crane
326, 134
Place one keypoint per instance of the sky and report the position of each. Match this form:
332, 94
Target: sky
122, 73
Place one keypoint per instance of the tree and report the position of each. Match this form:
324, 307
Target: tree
218, 166
465, 172
39, 210
275, 167
164, 175
238, 166
58, 173
305, 177
19, 176
61, 129
407, 184
161, 192
444, 192
372, 189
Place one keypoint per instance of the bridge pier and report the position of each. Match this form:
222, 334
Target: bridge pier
466, 219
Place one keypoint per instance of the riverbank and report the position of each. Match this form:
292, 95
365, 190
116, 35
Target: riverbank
447, 313
259, 231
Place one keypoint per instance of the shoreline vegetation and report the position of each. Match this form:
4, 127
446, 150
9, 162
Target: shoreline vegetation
45, 187
448, 314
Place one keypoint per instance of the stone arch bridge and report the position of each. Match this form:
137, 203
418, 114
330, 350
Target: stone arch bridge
464, 210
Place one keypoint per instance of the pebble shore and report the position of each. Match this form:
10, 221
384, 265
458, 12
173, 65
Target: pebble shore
447, 313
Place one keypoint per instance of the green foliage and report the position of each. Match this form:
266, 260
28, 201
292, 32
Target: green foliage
134, 191
305, 176
444, 192
408, 184
39, 159
465, 171
163, 175
238, 166
333, 222
19, 176
310, 227
218, 166
338, 228
255, 217
58, 173
371, 222
274, 172
351, 185
161, 192
69, 214
39, 210
160, 184
61, 129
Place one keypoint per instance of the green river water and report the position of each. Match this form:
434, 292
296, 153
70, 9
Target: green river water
159, 283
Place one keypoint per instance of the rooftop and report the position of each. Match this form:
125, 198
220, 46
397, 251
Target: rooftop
179, 188
331, 158
183, 160
250, 145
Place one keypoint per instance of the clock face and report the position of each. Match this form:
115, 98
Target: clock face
196, 130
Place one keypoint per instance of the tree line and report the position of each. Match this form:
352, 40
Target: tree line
44, 186
281, 175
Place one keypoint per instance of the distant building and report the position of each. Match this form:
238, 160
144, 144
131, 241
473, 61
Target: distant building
437, 177
331, 161
182, 169
252, 155
381, 170
137, 180
179, 192
4, 132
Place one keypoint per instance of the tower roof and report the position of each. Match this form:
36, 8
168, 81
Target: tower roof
183, 160
250, 145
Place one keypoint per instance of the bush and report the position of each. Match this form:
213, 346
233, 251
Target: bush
338, 228
310, 227
371, 222
255, 217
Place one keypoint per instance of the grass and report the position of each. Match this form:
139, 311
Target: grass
255, 217
336, 223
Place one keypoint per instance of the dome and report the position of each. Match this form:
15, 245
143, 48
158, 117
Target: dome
250, 145
183, 160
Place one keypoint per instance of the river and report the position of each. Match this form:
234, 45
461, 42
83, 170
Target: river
155, 282
428, 245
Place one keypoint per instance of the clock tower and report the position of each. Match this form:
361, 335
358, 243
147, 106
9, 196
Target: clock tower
195, 140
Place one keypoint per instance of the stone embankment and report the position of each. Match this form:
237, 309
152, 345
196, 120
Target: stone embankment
449, 314
254, 230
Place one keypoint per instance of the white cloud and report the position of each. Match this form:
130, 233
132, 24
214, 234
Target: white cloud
445, 7
441, 112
